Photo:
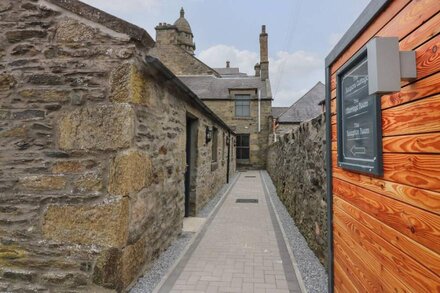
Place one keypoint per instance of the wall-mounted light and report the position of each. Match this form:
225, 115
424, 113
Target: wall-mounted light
208, 134
228, 140
387, 66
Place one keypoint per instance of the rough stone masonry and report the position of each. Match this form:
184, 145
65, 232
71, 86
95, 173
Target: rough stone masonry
297, 167
92, 143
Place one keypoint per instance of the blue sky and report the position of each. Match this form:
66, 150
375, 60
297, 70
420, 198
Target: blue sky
301, 33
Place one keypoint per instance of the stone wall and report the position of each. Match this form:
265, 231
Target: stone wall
284, 128
259, 140
92, 152
181, 62
296, 164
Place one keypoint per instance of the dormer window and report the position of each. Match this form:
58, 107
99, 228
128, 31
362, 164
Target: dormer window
242, 105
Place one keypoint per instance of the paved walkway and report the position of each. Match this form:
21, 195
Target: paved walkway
241, 249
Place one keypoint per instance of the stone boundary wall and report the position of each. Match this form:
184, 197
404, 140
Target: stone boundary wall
92, 154
296, 164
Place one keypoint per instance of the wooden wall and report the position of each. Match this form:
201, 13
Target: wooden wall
387, 230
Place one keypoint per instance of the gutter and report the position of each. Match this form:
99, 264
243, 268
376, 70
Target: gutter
162, 71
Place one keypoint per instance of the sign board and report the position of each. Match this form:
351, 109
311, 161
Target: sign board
359, 119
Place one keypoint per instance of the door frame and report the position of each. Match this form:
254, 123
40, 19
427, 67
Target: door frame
191, 134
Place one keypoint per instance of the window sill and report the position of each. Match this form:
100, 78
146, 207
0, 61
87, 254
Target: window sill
242, 118
214, 166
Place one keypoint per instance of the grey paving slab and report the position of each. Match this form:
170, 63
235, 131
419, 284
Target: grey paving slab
240, 250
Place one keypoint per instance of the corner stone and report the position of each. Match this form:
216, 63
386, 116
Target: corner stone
103, 224
130, 86
97, 127
130, 172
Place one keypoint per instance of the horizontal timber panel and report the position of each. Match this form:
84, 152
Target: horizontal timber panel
421, 171
418, 117
417, 38
428, 57
334, 133
421, 34
333, 106
407, 270
369, 263
420, 198
427, 63
343, 283
378, 23
416, 143
420, 253
358, 271
420, 89
419, 225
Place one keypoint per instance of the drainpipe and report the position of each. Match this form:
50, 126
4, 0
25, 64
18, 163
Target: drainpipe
228, 166
259, 111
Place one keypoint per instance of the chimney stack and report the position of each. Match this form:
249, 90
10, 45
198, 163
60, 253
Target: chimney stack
228, 64
257, 68
264, 54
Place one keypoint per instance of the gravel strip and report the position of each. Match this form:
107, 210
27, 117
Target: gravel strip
207, 209
312, 271
166, 260
152, 277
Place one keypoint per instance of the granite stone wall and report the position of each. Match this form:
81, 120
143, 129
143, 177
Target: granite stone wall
296, 164
92, 153
259, 140
179, 61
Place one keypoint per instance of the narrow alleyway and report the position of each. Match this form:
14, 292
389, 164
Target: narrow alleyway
241, 249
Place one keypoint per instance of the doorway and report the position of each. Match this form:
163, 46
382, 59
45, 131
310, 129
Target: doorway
191, 163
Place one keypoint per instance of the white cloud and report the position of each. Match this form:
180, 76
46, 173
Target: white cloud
126, 5
291, 74
217, 56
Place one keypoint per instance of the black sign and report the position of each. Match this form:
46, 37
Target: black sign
359, 125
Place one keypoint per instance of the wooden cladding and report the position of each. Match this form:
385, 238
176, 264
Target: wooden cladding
387, 229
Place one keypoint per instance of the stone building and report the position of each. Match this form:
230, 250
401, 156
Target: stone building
287, 119
243, 102
103, 149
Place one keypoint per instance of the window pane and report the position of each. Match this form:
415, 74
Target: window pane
245, 154
246, 111
245, 140
242, 105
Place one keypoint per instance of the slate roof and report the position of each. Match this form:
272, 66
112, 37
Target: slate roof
307, 107
214, 88
277, 111
231, 71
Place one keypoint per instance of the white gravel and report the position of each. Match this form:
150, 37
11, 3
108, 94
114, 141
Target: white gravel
312, 271
166, 260
152, 277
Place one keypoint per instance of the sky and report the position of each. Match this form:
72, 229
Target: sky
301, 33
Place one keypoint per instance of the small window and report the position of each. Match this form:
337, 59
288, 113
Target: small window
243, 147
214, 144
242, 105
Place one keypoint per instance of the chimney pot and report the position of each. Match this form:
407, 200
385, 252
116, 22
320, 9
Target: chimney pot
228, 64
263, 29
